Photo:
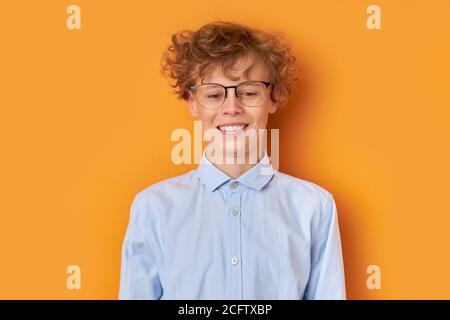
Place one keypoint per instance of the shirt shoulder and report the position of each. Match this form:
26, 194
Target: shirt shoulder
305, 189
168, 190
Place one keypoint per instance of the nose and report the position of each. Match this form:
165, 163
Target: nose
231, 105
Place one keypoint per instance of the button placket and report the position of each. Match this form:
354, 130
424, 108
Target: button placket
235, 239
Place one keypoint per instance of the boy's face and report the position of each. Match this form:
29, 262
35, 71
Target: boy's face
232, 111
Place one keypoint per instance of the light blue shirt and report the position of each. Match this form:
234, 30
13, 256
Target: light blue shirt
205, 235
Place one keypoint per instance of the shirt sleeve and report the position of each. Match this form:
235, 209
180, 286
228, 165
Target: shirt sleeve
326, 279
139, 277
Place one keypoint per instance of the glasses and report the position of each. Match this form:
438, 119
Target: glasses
213, 95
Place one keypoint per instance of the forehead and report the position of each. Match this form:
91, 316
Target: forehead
249, 67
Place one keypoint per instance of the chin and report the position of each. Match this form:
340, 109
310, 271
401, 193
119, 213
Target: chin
236, 152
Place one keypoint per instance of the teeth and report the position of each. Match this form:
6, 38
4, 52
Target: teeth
232, 128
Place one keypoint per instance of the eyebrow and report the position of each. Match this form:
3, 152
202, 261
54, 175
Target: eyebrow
244, 80
233, 85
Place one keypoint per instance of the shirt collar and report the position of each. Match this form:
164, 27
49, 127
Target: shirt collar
257, 177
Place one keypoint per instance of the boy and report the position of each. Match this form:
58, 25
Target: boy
232, 229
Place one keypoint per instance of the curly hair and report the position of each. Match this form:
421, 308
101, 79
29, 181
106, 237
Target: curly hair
191, 53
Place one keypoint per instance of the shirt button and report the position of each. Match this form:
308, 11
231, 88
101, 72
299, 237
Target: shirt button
234, 186
234, 261
234, 211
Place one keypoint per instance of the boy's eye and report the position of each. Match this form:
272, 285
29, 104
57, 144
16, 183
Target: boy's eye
248, 94
214, 96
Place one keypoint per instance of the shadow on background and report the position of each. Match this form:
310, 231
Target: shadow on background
294, 124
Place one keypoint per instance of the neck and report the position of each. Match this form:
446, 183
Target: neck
235, 166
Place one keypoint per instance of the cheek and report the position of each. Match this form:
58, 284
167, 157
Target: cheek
260, 117
207, 118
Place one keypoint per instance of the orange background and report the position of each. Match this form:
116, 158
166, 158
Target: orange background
86, 121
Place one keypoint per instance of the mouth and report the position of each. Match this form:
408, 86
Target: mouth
234, 129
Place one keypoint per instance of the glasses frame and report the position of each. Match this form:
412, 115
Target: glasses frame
195, 87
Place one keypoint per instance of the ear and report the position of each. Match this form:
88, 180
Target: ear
192, 105
275, 100
273, 107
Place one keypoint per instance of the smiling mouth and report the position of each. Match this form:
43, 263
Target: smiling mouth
233, 130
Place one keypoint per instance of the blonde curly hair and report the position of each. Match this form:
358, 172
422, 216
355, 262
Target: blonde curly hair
191, 53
